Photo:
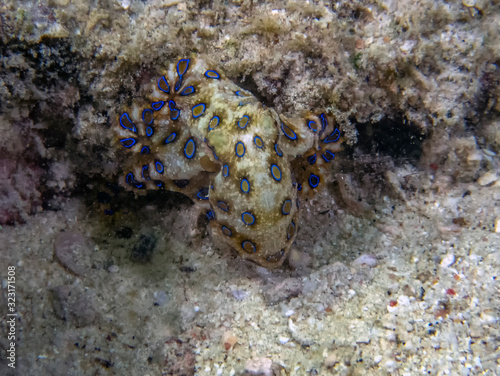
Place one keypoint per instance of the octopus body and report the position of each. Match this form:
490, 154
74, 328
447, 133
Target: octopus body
200, 134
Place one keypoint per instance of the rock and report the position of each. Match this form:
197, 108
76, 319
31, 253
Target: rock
259, 367
143, 249
275, 292
72, 251
74, 304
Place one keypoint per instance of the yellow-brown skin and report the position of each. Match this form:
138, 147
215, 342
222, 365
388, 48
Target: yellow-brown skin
229, 152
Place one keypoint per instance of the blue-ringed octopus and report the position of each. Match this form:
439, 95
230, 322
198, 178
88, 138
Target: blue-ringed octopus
200, 134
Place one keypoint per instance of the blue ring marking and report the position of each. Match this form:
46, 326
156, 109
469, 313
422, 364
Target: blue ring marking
171, 137
109, 212
145, 150
225, 170
174, 115
161, 81
171, 105
258, 138
128, 142
310, 123
299, 187
228, 232
210, 215
129, 179
328, 156
210, 127
223, 206
241, 185
202, 194
324, 122
312, 159
185, 70
313, 180
132, 128
188, 91
157, 105
212, 74
285, 129
290, 227
278, 150
283, 207
147, 110
160, 184
332, 137
252, 217
248, 242
189, 156
277, 178
149, 131
243, 126
236, 149
159, 167
196, 106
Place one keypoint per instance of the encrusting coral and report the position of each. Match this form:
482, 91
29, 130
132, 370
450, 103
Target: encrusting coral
200, 134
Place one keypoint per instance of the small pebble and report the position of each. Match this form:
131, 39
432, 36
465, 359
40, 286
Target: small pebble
259, 367
229, 340
74, 304
330, 360
73, 252
113, 269
366, 260
487, 178
448, 260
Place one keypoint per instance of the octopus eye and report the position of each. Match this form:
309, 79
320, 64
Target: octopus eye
163, 85
181, 183
276, 172
332, 137
313, 180
258, 142
328, 156
126, 123
128, 142
245, 186
312, 159
189, 149
287, 207
187, 91
288, 132
243, 122
248, 246
240, 149
248, 218
157, 106
198, 110
147, 116
212, 74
